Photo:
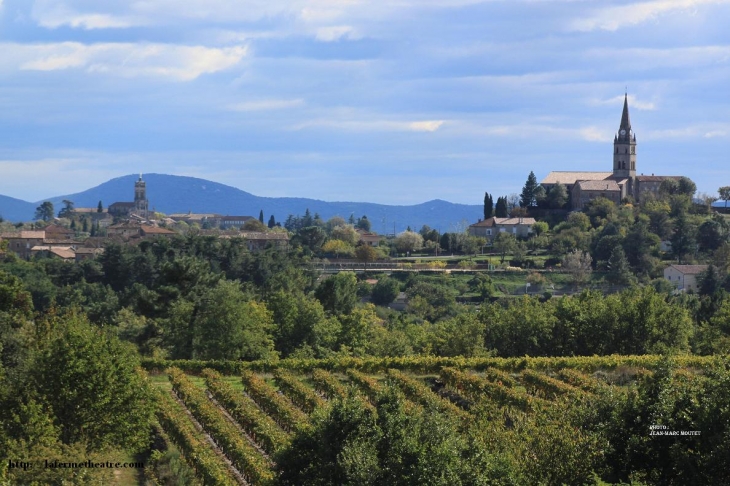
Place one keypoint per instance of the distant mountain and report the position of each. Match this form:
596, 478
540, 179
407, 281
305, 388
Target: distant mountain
12, 209
176, 194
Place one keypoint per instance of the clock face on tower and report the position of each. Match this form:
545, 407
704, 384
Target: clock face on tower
623, 132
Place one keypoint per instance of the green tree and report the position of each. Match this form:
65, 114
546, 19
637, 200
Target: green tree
366, 254
67, 210
619, 272
229, 326
408, 241
385, 291
346, 233
539, 228
92, 383
300, 321
488, 206
504, 243
44, 211
99, 208
338, 294
261, 216
710, 235
724, 192
500, 209
684, 239
558, 196
272, 221
363, 223
312, 237
527, 197
338, 247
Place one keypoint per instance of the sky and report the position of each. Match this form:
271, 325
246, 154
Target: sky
393, 102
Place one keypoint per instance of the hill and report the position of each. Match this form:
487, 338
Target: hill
12, 209
177, 194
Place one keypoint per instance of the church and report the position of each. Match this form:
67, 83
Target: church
622, 182
139, 207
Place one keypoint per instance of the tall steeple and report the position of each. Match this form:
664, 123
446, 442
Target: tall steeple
625, 120
624, 146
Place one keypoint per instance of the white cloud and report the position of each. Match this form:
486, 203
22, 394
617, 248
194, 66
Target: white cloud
633, 103
614, 18
265, 105
183, 63
716, 134
426, 126
373, 125
334, 33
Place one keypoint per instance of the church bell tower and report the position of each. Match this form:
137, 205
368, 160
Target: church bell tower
624, 147
140, 196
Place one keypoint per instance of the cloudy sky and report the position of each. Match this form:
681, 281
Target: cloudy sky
396, 102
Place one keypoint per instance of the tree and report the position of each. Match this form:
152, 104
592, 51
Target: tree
272, 222
408, 241
709, 281
385, 291
338, 294
618, 268
710, 235
539, 228
684, 241
346, 233
366, 254
312, 237
254, 225
91, 382
488, 206
578, 265
261, 216
724, 192
68, 207
686, 186
557, 197
99, 208
44, 211
527, 197
363, 223
338, 247
500, 209
229, 326
504, 243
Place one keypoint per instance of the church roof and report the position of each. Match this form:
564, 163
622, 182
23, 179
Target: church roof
569, 177
606, 185
625, 120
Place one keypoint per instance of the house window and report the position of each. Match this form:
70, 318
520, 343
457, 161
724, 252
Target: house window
514, 229
501, 230
489, 232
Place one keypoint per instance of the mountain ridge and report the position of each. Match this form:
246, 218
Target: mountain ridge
181, 194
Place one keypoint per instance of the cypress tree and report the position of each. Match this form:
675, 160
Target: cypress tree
261, 216
500, 210
488, 206
272, 221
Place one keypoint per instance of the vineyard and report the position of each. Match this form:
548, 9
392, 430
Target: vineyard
234, 428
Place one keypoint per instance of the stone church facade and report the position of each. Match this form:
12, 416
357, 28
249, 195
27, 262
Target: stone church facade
620, 183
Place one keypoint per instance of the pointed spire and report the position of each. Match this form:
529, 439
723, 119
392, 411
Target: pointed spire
625, 121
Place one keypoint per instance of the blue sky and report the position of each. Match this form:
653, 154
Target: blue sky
394, 102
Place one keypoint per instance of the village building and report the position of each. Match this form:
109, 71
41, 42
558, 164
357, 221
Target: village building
139, 207
491, 227
684, 277
368, 238
23, 242
622, 182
